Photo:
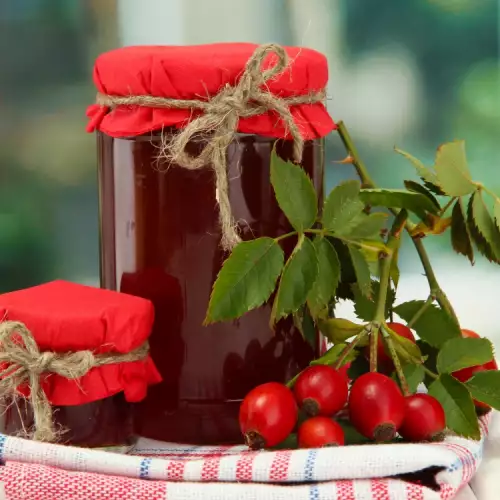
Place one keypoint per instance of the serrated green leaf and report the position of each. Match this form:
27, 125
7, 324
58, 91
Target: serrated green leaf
458, 406
414, 375
496, 213
460, 237
303, 321
398, 198
425, 173
358, 367
483, 228
418, 188
394, 272
406, 350
342, 207
246, 280
364, 307
332, 355
459, 353
338, 330
434, 325
361, 269
452, 170
368, 227
485, 387
294, 192
326, 283
299, 275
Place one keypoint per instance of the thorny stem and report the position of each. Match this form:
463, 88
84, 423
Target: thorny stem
368, 182
373, 349
421, 311
397, 364
349, 347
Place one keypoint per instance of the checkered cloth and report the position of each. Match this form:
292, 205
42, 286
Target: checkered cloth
160, 471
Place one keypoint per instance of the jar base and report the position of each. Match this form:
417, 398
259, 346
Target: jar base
193, 422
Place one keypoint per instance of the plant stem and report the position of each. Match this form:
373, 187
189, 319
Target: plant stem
397, 364
482, 187
284, 236
421, 311
367, 181
349, 347
447, 206
373, 349
430, 372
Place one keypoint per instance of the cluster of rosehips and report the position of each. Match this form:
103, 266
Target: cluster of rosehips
376, 406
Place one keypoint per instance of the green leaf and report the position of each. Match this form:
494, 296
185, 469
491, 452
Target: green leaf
358, 367
460, 237
351, 435
361, 269
303, 321
338, 330
496, 213
368, 227
429, 354
342, 206
483, 228
426, 174
434, 325
332, 355
326, 283
407, 350
418, 188
365, 307
452, 170
459, 353
458, 406
485, 387
294, 192
398, 198
246, 280
414, 375
299, 275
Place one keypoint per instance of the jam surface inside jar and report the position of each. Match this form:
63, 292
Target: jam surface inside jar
105, 423
160, 239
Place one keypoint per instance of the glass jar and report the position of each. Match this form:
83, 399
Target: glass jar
161, 240
105, 424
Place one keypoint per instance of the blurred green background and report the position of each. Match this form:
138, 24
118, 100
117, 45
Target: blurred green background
410, 73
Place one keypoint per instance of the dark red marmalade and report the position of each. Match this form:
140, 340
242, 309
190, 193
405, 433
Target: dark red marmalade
161, 240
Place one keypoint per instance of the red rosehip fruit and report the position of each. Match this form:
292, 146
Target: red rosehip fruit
376, 406
467, 373
267, 415
321, 390
320, 431
424, 418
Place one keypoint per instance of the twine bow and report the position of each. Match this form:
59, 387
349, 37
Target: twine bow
220, 118
21, 363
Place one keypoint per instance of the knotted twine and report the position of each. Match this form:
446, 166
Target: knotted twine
21, 362
220, 118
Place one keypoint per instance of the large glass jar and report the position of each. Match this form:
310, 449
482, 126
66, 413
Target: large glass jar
161, 239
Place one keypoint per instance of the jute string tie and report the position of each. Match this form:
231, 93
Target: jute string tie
219, 123
21, 363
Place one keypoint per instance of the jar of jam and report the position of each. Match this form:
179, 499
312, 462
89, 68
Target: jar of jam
94, 362
160, 223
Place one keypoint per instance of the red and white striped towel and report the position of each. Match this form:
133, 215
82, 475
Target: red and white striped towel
160, 471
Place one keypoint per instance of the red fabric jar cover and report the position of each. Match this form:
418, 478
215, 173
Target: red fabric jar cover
198, 71
67, 317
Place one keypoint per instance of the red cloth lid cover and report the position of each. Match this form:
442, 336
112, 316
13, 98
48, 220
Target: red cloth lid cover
198, 72
68, 317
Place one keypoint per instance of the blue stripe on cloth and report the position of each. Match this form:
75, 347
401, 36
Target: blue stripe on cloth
3, 438
314, 492
144, 468
309, 467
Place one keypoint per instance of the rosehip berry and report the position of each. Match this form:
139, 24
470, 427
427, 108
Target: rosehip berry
320, 431
467, 373
321, 390
268, 415
424, 418
376, 406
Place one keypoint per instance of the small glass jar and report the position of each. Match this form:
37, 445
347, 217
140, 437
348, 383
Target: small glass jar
161, 238
92, 344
